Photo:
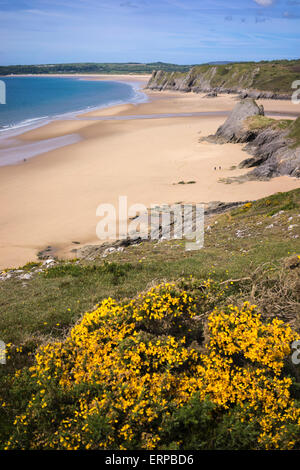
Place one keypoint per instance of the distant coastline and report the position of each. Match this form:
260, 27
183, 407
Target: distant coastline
143, 78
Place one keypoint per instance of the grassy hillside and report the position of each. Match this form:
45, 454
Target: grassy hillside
250, 254
274, 76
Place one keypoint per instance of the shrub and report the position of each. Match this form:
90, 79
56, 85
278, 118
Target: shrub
137, 375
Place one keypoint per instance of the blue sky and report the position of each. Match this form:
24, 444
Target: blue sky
178, 31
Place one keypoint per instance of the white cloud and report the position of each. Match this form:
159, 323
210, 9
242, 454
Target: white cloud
264, 3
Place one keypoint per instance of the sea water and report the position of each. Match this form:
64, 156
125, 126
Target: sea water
32, 100
35, 101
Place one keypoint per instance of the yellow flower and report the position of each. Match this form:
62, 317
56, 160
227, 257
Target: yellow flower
122, 373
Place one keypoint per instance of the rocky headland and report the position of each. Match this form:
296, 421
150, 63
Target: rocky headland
269, 80
274, 145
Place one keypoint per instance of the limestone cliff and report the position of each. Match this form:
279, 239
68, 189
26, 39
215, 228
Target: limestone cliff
273, 144
255, 80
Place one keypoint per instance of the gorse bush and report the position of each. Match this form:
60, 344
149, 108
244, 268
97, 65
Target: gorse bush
145, 375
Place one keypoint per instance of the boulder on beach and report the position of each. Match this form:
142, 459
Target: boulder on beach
212, 94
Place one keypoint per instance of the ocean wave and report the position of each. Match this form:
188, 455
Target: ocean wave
30, 123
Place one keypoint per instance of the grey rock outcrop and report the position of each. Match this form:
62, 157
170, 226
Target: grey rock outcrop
211, 94
208, 80
233, 129
272, 155
266, 95
161, 231
272, 150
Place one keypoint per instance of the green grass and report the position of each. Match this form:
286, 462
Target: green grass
275, 76
295, 132
53, 300
258, 122
263, 122
46, 306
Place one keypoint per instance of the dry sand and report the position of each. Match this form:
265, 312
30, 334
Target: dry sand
52, 199
116, 77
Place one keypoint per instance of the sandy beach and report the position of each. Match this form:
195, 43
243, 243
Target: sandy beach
51, 199
90, 76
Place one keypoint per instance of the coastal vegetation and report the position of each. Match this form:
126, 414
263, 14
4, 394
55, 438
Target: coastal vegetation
86, 68
263, 122
274, 77
294, 133
257, 123
159, 306
158, 348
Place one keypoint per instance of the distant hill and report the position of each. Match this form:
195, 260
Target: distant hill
219, 62
90, 67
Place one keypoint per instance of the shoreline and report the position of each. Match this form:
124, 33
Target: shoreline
34, 123
100, 75
51, 199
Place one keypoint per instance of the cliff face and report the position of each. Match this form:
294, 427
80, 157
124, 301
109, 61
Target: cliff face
255, 80
273, 154
274, 145
233, 129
